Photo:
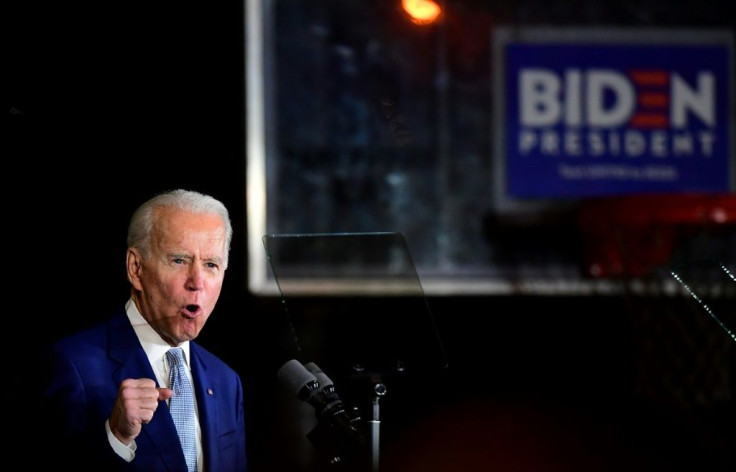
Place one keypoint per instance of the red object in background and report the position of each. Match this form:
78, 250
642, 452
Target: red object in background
631, 236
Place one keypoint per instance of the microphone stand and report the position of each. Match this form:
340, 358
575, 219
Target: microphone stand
379, 391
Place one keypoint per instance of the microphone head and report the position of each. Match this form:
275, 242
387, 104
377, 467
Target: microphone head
324, 381
297, 378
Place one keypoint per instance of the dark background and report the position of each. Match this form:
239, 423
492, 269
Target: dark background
109, 104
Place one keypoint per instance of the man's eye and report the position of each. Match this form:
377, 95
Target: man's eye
211, 265
178, 261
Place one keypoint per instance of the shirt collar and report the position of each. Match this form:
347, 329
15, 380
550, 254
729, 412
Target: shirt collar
151, 341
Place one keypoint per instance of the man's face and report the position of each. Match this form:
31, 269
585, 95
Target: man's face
177, 287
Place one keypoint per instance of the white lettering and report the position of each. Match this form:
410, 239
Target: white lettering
599, 83
631, 143
700, 102
596, 144
706, 142
634, 143
573, 103
682, 144
527, 141
605, 98
550, 142
573, 145
658, 143
657, 173
539, 97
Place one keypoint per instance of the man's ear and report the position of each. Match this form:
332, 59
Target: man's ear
134, 265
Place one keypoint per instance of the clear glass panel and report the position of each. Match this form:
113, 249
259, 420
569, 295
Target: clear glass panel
365, 335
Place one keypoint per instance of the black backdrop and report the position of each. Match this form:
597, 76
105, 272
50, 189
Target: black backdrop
109, 104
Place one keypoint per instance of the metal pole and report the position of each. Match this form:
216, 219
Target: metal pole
379, 391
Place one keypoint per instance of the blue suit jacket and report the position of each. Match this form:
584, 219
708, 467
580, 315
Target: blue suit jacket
79, 390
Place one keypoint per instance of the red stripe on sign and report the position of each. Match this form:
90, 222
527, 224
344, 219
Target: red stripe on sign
649, 120
650, 77
654, 100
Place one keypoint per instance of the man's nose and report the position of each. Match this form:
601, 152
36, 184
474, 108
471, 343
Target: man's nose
195, 280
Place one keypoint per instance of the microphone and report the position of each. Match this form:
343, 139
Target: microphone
298, 379
327, 403
328, 387
338, 429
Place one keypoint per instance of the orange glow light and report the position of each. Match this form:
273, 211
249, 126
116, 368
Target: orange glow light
421, 12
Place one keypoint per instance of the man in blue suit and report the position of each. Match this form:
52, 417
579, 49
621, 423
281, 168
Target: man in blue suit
106, 392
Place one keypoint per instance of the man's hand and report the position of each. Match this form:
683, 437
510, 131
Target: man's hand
135, 404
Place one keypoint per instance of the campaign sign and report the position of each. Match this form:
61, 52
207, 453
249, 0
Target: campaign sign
590, 112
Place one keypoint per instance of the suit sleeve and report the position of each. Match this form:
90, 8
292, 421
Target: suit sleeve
70, 429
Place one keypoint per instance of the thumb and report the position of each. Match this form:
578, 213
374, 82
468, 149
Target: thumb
164, 393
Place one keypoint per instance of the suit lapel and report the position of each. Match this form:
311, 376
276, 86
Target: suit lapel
207, 404
133, 364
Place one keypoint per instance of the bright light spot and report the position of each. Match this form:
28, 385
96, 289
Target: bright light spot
421, 12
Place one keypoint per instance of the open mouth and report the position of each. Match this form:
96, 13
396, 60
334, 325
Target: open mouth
192, 309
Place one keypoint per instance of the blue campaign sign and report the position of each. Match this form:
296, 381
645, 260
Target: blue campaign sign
619, 112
